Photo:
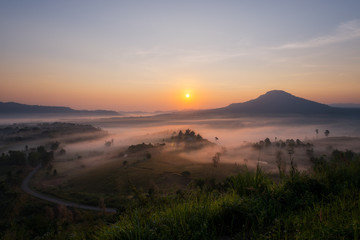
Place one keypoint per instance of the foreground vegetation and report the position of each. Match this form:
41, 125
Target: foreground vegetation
323, 203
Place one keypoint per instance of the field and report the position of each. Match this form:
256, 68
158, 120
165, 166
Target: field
181, 185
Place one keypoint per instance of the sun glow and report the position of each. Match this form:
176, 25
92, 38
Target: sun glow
187, 95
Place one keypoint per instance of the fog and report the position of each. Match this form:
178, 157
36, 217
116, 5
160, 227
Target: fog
230, 132
233, 138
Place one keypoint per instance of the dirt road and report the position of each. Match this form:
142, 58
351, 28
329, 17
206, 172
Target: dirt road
25, 187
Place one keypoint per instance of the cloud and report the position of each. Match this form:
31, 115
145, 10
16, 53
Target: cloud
191, 56
344, 32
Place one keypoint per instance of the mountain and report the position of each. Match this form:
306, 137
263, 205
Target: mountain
345, 105
12, 108
278, 102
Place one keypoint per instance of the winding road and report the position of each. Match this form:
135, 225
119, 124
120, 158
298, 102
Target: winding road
25, 187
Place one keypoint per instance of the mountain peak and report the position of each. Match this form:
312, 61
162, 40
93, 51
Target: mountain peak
279, 102
277, 92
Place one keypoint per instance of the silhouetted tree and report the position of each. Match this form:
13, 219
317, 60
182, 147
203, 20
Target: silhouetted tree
125, 163
54, 146
327, 132
299, 143
17, 157
317, 132
310, 153
291, 153
62, 152
293, 169
267, 142
290, 143
216, 159
280, 163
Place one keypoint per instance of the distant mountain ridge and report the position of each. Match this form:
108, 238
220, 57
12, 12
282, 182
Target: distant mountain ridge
278, 102
345, 105
11, 108
275, 102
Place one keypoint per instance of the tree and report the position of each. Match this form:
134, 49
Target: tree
125, 164
280, 163
216, 159
327, 132
62, 152
267, 142
293, 170
54, 146
17, 157
317, 132
310, 153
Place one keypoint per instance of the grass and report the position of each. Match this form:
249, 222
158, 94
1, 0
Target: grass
323, 204
114, 182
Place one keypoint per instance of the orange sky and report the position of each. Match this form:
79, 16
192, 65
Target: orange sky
126, 56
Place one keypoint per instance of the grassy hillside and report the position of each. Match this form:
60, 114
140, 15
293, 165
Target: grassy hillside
323, 204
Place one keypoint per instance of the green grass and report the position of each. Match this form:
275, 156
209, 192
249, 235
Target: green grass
323, 204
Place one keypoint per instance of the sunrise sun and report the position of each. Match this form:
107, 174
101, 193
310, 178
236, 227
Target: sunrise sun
187, 95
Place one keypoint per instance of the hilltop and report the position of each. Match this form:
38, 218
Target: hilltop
13, 108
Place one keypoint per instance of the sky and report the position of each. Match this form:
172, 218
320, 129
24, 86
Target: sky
147, 55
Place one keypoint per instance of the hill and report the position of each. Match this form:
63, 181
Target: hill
12, 108
278, 102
